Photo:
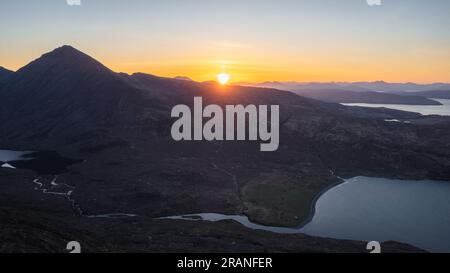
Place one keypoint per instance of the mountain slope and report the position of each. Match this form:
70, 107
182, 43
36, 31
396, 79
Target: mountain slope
341, 96
377, 86
435, 94
347, 93
4, 74
64, 95
400, 87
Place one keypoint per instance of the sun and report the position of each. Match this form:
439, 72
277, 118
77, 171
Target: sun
223, 78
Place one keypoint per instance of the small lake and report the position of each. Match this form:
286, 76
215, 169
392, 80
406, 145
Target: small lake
8, 155
373, 209
42, 162
442, 110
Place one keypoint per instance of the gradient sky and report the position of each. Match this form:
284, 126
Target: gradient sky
253, 40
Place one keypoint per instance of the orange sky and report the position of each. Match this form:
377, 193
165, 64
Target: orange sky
253, 41
252, 64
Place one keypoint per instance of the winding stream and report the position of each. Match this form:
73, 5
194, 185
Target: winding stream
360, 208
50, 163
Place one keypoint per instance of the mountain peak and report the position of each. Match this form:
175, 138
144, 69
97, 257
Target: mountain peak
4, 74
65, 50
64, 60
68, 53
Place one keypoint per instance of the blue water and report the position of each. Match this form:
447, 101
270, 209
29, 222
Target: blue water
373, 209
8, 155
441, 110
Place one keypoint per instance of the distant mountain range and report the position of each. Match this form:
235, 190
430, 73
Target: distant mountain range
364, 92
379, 92
435, 94
183, 78
378, 86
119, 125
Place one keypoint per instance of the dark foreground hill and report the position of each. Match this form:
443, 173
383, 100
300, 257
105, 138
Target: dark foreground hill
119, 126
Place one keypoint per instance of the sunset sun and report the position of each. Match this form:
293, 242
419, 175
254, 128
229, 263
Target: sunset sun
223, 78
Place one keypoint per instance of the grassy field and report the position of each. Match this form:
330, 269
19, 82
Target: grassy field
279, 200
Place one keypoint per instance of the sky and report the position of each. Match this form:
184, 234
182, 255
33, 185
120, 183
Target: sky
252, 40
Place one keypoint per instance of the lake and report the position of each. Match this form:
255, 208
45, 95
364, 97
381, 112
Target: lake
8, 155
442, 110
373, 209
42, 162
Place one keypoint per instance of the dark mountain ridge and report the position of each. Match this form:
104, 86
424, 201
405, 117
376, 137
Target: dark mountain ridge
4, 74
119, 124
376, 86
343, 96
65, 92
349, 93
435, 94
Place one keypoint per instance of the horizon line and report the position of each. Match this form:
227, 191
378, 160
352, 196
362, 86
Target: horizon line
237, 82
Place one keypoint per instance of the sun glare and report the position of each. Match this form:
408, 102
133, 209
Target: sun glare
223, 78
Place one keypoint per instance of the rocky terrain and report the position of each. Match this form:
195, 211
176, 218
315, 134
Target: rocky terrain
118, 126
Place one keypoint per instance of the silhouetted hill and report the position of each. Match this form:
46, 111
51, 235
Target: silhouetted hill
350, 92
377, 86
4, 74
341, 96
435, 94
382, 86
183, 78
120, 124
65, 96
298, 86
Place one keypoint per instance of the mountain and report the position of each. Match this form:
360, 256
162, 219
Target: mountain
338, 96
307, 86
69, 95
382, 86
435, 94
4, 74
183, 78
347, 93
118, 125
378, 86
